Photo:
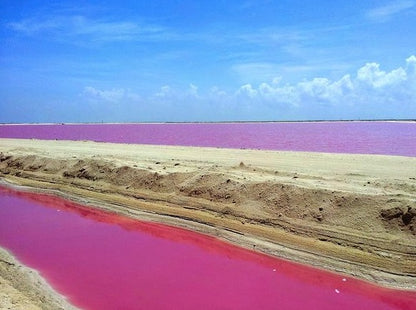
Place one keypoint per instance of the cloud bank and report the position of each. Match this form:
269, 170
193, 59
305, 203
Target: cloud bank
387, 11
369, 93
370, 84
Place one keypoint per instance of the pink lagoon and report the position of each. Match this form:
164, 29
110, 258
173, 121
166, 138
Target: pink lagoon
369, 137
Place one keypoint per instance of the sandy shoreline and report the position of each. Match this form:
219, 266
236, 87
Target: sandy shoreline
354, 214
24, 289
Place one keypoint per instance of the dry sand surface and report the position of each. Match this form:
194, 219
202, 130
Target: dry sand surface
354, 214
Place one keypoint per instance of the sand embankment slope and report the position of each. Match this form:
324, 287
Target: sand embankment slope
350, 213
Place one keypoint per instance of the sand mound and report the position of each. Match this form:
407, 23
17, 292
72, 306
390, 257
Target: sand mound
264, 201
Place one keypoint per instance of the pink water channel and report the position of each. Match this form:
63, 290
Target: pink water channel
389, 138
100, 260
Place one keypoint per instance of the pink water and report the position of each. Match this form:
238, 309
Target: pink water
390, 138
104, 261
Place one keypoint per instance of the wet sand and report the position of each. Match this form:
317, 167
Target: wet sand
354, 214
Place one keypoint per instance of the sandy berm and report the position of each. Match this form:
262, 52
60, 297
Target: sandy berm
354, 214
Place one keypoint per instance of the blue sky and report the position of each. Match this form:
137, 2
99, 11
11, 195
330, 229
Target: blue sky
124, 61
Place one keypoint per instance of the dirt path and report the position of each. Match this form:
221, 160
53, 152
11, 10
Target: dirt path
350, 213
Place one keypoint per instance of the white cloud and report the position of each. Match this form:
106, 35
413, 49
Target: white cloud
115, 95
30, 27
411, 66
411, 60
371, 75
97, 30
193, 90
165, 91
173, 96
385, 12
258, 72
247, 90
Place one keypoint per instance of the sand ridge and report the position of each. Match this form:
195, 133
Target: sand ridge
350, 213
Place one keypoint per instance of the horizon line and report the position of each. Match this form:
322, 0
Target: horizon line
220, 122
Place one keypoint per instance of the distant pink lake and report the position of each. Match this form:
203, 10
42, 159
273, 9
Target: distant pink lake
388, 138
101, 260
